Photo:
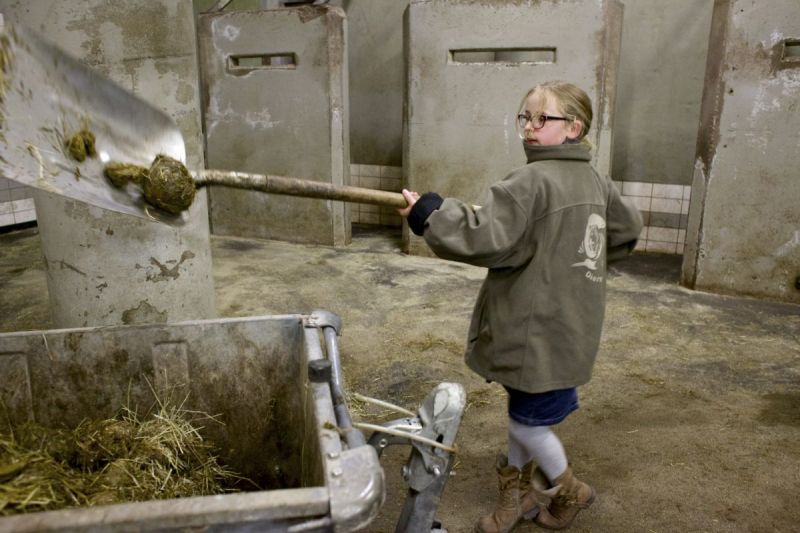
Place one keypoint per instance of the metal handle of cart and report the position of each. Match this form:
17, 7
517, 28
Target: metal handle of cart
430, 434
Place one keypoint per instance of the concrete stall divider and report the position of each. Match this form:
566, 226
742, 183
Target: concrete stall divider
743, 235
275, 102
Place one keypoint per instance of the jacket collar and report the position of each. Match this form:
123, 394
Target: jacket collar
580, 152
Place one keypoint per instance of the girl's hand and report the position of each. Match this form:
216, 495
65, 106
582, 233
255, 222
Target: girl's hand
411, 197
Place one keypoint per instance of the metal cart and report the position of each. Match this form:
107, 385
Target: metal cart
275, 382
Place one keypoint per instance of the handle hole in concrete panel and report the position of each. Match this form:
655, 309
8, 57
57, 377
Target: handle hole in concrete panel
250, 62
791, 50
508, 56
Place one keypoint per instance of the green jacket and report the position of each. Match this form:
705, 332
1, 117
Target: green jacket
545, 233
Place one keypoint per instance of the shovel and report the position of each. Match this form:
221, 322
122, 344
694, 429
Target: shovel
47, 97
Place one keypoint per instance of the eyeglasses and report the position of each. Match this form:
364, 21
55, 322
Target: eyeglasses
537, 121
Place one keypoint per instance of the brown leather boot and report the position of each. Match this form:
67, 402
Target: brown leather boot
507, 513
535, 491
573, 495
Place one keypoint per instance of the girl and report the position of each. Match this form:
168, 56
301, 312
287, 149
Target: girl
545, 233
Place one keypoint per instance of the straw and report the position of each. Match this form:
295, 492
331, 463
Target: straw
123, 459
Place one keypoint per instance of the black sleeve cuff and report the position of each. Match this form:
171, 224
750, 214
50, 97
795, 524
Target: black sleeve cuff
427, 204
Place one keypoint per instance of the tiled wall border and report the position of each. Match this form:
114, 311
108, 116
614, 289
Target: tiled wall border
384, 178
16, 203
665, 210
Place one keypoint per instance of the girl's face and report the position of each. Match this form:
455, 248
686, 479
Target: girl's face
554, 130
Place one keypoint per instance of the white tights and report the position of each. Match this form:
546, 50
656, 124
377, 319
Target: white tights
538, 443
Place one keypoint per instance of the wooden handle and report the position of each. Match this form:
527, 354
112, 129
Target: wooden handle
298, 187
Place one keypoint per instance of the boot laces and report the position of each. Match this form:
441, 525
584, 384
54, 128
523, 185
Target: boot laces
569, 500
507, 498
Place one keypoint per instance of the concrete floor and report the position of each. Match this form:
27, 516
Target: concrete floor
691, 422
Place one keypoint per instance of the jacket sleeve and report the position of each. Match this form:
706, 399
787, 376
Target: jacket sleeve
490, 236
624, 224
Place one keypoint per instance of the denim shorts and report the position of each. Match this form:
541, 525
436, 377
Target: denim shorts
541, 409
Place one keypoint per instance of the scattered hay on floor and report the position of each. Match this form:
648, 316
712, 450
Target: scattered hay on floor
124, 459
418, 347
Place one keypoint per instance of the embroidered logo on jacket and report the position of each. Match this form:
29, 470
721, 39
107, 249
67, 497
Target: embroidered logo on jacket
594, 241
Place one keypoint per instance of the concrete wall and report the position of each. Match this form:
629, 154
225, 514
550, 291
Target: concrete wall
375, 55
660, 82
662, 69
278, 120
460, 134
376, 81
744, 219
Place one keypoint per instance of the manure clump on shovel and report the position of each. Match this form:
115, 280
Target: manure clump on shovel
167, 184
121, 173
81, 145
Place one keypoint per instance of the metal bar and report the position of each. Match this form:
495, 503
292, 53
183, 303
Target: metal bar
353, 436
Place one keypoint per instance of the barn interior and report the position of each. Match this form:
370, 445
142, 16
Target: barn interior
691, 421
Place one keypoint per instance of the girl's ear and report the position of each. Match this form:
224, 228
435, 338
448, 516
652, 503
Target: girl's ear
575, 129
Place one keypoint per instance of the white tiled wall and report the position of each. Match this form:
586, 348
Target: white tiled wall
665, 209
384, 178
16, 203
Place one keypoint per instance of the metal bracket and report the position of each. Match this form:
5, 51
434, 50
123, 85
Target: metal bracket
428, 467
320, 318
437, 422
381, 441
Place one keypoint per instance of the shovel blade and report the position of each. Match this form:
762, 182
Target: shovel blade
47, 96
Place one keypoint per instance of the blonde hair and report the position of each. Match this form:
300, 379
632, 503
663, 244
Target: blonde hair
571, 100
